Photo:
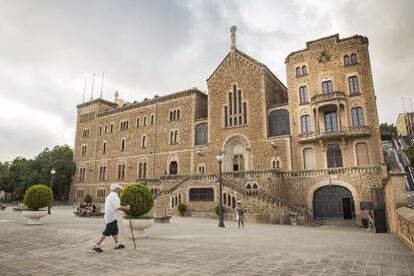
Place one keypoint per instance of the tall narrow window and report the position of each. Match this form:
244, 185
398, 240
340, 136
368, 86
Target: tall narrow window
226, 117
171, 116
346, 60
240, 103
331, 124
173, 167
176, 137
230, 105
303, 94
327, 87
308, 159
175, 115
100, 130
123, 145
106, 129
137, 122
245, 112
353, 85
111, 128
354, 59
235, 99
171, 137
357, 117
143, 143
334, 156
362, 154
305, 123
152, 120
104, 147
145, 121
298, 72
178, 114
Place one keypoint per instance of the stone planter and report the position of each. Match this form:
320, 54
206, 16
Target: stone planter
34, 216
138, 226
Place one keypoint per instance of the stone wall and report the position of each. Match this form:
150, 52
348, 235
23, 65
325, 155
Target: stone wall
405, 226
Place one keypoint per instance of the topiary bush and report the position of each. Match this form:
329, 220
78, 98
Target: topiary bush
37, 197
139, 198
88, 198
181, 208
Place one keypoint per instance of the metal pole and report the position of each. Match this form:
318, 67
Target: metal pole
132, 232
51, 187
221, 215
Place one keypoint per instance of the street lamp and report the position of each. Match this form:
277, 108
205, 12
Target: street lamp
219, 158
52, 172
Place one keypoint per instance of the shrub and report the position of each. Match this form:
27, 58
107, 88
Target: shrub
88, 198
139, 198
217, 210
181, 208
38, 196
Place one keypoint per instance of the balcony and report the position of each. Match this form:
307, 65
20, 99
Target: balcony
349, 132
332, 97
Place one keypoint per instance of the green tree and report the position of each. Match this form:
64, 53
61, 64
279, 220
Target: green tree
60, 159
22, 175
388, 131
4, 177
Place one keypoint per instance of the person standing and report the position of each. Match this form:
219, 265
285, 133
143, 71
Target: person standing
239, 213
112, 208
370, 222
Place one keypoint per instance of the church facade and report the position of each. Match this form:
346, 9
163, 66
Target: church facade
312, 147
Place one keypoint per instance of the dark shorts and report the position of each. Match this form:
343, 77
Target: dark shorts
111, 229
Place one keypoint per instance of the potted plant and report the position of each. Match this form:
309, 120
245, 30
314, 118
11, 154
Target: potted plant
37, 197
217, 210
141, 201
182, 208
88, 198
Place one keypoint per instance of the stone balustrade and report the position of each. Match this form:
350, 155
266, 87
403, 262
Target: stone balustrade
344, 132
324, 97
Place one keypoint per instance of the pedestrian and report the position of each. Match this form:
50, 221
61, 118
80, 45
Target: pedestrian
370, 222
239, 213
112, 208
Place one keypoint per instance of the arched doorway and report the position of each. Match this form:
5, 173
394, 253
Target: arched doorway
236, 156
333, 202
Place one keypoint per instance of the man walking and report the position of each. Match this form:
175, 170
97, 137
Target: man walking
112, 208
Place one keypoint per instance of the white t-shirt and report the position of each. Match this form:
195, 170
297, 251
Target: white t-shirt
112, 203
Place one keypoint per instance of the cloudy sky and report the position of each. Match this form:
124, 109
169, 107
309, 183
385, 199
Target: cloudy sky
47, 48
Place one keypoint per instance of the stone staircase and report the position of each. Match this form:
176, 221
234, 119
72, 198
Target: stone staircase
311, 222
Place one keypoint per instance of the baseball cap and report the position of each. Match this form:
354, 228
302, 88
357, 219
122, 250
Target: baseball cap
115, 186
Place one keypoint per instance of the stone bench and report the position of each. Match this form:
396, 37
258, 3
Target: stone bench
164, 219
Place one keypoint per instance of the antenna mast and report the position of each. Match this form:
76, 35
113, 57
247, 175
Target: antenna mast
93, 82
84, 90
103, 77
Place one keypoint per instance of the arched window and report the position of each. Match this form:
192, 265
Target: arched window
224, 198
305, 123
354, 59
172, 137
303, 94
173, 167
179, 198
245, 112
172, 202
255, 186
176, 200
279, 122
152, 120
233, 205
175, 115
178, 114
304, 70
104, 147
249, 187
171, 116
123, 145
334, 156
229, 200
353, 85
176, 137
201, 134
346, 60
357, 117
143, 142
137, 122
298, 72
308, 159
145, 121
361, 150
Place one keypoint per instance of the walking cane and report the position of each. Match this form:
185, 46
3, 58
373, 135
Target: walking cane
132, 232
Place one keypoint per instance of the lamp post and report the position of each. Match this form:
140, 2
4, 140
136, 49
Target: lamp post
52, 172
219, 158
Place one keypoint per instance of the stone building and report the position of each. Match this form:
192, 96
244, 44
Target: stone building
312, 147
405, 124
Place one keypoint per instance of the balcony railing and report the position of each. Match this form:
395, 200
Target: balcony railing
345, 132
324, 97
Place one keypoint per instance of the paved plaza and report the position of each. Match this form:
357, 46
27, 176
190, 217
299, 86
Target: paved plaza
194, 246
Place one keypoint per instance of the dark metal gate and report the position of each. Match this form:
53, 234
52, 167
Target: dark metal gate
333, 202
379, 210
